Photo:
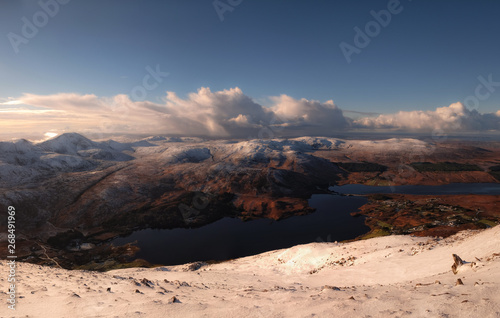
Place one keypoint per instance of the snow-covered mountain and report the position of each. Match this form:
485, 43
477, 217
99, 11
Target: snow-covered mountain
22, 163
73, 182
77, 145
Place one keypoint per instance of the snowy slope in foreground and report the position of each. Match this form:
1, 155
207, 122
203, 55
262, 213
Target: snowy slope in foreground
396, 276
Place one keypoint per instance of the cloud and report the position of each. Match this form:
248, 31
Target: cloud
223, 113
65, 101
309, 115
11, 102
227, 114
455, 117
357, 114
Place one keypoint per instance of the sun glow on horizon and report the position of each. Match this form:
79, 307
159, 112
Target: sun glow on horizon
50, 135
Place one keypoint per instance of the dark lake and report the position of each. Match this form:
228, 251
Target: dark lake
452, 188
231, 238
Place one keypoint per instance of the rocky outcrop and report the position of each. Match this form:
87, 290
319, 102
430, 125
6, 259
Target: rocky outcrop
457, 263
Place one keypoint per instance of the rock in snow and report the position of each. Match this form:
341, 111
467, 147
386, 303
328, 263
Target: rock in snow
457, 263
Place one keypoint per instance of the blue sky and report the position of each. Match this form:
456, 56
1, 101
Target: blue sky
429, 55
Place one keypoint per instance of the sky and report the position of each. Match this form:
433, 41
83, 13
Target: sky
233, 68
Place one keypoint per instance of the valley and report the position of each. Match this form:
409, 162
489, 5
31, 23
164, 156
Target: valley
72, 190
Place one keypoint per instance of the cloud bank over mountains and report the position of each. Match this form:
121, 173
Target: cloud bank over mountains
227, 114
455, 117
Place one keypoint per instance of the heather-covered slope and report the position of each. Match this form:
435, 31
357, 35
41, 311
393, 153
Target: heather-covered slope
96, 190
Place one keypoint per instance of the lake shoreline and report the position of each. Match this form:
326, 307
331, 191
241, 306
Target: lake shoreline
379, 222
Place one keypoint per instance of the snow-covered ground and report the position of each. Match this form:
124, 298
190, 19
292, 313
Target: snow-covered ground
395, 276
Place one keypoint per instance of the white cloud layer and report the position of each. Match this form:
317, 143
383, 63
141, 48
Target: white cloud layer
455, 117
228, 114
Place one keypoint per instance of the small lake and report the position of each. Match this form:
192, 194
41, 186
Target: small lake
452, 188
232, 238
